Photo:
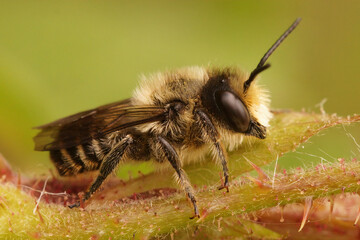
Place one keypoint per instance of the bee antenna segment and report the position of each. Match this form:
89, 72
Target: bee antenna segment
262, 66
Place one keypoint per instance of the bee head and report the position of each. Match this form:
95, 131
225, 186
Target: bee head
236, 101
233, 108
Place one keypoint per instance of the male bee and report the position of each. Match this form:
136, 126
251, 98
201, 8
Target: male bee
170, 117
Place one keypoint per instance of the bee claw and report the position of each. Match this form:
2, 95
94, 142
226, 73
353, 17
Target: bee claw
195, 215
224, 186
77, 204
196, 211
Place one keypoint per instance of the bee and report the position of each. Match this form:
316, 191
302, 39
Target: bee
173, 117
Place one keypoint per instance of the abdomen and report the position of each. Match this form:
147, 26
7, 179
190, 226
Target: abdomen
78, 159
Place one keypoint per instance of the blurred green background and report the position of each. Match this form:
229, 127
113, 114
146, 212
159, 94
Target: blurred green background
61, 57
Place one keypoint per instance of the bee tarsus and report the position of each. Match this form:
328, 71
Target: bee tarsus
225, 185
195, 216
75, 205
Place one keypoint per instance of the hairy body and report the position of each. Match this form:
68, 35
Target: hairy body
190, 127
183, 88
173, 117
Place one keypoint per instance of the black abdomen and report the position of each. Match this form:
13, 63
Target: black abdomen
89, 156
75, 160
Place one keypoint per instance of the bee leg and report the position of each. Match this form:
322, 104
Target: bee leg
109, 163
213, 136
220, 152
166, 150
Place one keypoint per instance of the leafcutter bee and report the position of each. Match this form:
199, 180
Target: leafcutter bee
172, 117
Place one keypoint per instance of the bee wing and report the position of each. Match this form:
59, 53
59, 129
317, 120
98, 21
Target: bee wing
84, 126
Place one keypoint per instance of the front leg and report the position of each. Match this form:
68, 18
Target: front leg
162, 149
211, 134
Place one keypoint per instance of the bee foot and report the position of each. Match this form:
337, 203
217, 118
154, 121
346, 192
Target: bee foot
224, 186
77, 204
196, 210
195, 215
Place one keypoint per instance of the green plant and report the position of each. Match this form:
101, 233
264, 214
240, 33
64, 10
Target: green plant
150, 207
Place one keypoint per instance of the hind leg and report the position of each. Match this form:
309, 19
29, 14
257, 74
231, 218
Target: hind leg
109, 163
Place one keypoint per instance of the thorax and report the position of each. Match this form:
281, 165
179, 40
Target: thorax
180, 89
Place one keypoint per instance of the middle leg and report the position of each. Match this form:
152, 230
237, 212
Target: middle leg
162, 149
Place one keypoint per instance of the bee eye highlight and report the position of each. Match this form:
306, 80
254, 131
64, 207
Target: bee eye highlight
235, 112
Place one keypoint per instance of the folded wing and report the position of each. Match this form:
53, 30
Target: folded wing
84, 126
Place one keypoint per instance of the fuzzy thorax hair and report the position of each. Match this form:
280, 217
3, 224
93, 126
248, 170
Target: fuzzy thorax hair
186, 85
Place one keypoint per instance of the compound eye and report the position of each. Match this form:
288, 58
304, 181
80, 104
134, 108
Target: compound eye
235, 112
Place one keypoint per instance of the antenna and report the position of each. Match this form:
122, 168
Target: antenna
262, 66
